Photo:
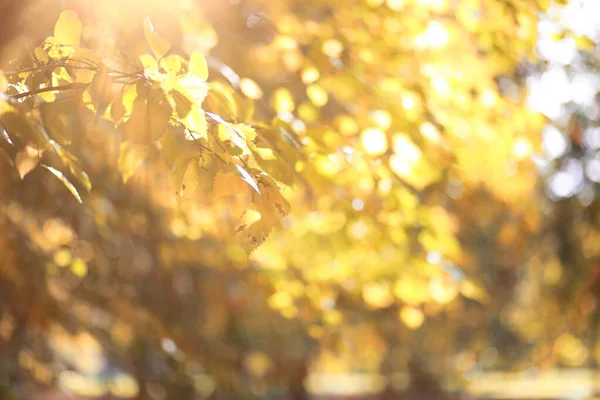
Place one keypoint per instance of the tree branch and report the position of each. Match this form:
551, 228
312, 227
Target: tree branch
70, 86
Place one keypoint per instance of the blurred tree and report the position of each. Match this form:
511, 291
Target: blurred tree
217, 196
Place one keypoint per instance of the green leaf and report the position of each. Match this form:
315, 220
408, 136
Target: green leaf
131, 156
65, 182
198, 65
158, 45
67, 30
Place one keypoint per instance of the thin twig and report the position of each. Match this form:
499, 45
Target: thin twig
70, 86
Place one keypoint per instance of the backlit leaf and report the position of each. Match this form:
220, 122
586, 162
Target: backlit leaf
67, 30
159, 113
198, 65
171, 64
196, 123
131, 156
228, 184
158, 45
40, 54
194, 87
188, 181
246, 177
26, 160
101, 90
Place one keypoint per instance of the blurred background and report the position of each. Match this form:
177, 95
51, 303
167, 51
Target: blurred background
440, 158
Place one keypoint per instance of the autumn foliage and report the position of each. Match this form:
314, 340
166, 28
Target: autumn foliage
205, 198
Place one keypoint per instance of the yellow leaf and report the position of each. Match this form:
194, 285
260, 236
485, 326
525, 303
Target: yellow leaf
40, 54
572, 350
26, 160
584, 43
129, 96
65, 182
196, 123
443, 289
411, 316
377, 295
131, 156
58, 121
473, 290
189, 180
228, 184
283, 101
198, 65
79, 267
194, 87
258, 363
413, 291
223, 100
100, 89
270, 202
72, 163
136, 128
250, 89
159, 111
280, 300
67, 30
374, 141
252, 235
82, 57
332, 48
62, 257
171, 64
317, 95
158, 45
61, 76
14, 120
265, 153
